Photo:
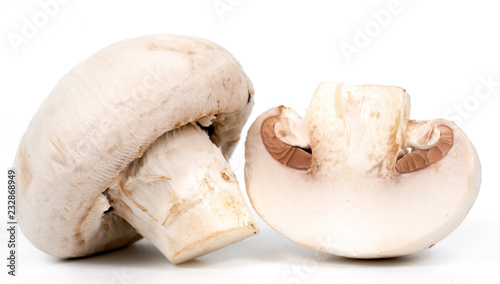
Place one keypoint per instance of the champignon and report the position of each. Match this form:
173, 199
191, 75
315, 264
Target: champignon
356, 177
133, 142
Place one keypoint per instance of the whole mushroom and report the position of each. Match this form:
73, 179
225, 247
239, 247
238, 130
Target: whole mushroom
356, 177
133, 142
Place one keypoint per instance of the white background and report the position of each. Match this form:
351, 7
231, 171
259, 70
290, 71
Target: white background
441, 52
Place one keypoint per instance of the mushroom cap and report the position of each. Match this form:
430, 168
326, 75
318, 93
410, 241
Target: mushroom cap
351, 201
106, 112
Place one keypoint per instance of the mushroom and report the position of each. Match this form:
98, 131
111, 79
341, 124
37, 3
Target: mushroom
133, 142
356, 177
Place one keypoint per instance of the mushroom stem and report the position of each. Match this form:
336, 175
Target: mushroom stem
183, 196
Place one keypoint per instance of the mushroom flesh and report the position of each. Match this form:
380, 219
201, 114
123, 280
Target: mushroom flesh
356, 177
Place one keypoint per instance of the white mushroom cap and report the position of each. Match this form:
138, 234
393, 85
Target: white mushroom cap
359, 193
105, 113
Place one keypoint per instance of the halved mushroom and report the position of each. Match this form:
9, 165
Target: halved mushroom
120, 150
343, 180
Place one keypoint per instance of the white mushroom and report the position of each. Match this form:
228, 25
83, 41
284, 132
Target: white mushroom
347, 184
117, 151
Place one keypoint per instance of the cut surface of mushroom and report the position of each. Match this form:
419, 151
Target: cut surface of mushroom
364, 195
115, 152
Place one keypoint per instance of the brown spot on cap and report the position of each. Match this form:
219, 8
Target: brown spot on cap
224, 176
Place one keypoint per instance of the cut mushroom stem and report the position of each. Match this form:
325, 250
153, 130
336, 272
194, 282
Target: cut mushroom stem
183, 196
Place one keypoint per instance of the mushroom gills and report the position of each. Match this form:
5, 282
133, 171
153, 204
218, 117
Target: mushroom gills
286, 139
428, 144
183, 196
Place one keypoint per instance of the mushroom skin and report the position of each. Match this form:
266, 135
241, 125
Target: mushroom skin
103, 115
353, 200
